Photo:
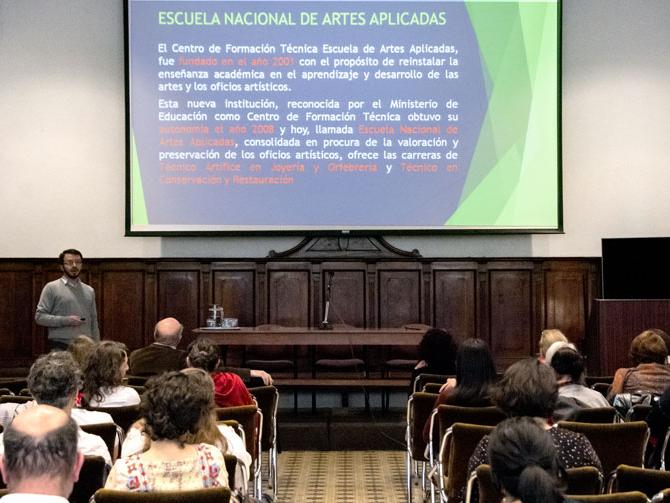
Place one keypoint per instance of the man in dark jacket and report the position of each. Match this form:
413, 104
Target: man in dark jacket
164, 356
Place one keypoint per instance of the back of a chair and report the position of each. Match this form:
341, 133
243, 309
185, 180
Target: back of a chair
646, 480
629, 497
594, 415
14, 384
123, 416
251, 419
419, 407
448, 415
591, 380
457, 446
210, 495
432, 387
580, 480
615, 443
15, 399
488, 492
267, 398
584, 480
421, 380
91, 478
107, 431
638, 412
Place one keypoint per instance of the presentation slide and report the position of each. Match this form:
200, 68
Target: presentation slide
300, 116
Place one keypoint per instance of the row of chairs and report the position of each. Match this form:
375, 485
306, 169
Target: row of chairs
457, 430
630, 483
259, 436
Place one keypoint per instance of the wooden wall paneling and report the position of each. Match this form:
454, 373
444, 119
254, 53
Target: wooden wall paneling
121, 300
455, 298
426, 293
150, 301
17, 312
261, 300
399, 295
288, 293
371, 279
205, 292
616, 324
179, 295
504, 301
511, 317
234, 288
348, 293
566, 299
483, 327
318, 295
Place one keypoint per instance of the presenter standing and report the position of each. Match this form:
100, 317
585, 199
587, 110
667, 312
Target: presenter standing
67, 305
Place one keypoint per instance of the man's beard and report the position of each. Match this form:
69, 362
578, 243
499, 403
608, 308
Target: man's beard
72, 275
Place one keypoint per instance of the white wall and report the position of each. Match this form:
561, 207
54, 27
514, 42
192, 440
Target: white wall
62, 136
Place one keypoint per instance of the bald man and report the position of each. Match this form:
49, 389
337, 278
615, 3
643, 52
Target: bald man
40, 462
163, 356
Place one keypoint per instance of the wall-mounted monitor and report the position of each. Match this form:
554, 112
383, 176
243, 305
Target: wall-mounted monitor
349, 116
636, 268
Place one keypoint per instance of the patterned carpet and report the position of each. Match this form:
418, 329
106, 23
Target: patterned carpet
341, 477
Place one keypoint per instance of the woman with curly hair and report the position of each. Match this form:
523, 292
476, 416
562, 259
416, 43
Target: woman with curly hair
173, 411
208, 432
103, 377
229, 389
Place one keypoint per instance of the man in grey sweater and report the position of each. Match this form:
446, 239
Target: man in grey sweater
67, 305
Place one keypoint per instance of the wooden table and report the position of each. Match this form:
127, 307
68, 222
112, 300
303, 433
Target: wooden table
300, 336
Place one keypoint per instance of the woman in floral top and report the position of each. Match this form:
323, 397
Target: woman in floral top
172, 410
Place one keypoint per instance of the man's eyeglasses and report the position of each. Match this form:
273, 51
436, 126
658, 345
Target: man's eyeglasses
72, 262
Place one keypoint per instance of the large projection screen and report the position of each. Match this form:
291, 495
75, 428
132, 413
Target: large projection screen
349, 116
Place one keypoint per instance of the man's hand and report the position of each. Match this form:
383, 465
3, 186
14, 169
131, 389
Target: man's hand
73, 321
267, 378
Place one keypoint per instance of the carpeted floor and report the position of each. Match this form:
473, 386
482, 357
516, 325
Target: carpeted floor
341, 477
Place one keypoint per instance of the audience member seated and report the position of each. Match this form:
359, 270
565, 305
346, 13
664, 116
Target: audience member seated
650, 375
208, 432
568, 365
164, 356
524, 462
53, 380
103, 378
229, 390
81, 348
436, 354
666, 338
547, 338
475, 377
529, 389
40, 461
172, 410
